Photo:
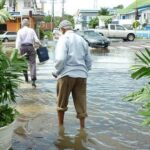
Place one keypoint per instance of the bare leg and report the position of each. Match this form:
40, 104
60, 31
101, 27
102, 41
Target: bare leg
82, 123
61, 118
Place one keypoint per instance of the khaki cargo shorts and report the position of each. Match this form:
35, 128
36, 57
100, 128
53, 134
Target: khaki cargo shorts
75, 86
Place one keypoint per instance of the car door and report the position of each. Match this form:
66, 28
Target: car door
120, 31
11, 36
112, 31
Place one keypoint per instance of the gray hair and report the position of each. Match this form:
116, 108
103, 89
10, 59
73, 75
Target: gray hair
25, 22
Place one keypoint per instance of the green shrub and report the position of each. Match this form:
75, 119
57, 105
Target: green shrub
10, 70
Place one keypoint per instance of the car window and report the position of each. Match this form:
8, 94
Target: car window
112, 27
119, 27
11, 33
91, 33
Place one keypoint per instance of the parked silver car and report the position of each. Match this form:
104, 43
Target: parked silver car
8, 36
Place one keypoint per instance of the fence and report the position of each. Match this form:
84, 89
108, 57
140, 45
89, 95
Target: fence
143, 34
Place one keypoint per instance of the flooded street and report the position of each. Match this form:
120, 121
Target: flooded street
112, 123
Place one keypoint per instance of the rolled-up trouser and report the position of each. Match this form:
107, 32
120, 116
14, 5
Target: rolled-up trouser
31, 57
75, 86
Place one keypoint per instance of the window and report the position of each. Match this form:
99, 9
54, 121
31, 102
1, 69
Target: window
123, 17
28, 3
119, 27
112, 27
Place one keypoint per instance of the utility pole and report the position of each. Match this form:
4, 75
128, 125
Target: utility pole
136, 11
14, 5
63, 1
95, 4
52, 11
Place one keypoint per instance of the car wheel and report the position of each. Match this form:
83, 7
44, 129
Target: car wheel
124, 40
5, 40
130, 37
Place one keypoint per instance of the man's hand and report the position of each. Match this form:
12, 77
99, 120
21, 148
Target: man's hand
54, 74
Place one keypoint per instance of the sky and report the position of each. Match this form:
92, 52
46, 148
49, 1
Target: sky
72, 6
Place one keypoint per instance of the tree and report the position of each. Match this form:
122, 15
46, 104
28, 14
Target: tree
119, 7
4, 14
58, 19
103, 12
93, 22
69, 18
48, 18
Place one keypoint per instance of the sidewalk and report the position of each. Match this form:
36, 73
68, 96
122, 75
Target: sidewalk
37, 121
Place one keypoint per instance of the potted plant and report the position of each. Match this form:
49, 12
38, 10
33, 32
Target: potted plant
10, 69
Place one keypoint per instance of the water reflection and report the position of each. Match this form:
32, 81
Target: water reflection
77, 142
100, 51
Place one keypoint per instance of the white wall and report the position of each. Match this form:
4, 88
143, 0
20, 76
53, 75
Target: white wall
20, 7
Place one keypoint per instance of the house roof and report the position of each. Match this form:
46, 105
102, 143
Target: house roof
88, 10
138, 4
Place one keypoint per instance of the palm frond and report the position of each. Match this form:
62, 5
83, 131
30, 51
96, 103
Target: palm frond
5, 16
144, 56
2, 3
143, 69
10, 70
139, 71
140, 95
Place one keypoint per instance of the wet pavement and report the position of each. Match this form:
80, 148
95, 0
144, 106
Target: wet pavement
112, 124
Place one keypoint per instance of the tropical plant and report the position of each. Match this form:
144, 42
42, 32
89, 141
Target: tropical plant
142, 70
103, 12
48, 18
94, 22
10, 70
4, 14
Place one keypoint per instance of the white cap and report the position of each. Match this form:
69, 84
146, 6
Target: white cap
65, 24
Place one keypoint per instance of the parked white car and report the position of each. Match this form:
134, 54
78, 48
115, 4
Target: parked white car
8, 36
117, 31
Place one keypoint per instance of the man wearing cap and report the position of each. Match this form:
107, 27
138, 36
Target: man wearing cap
72, 63
26, 38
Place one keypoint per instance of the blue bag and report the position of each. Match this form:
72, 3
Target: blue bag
42, 53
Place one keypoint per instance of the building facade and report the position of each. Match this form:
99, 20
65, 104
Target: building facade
139, 10
83, 17
20, 9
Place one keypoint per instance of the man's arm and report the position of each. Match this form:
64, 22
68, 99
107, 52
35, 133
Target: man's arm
18, 40
88, 58
60, 55
36, 40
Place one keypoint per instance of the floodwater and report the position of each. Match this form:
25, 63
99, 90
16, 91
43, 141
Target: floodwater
112, 123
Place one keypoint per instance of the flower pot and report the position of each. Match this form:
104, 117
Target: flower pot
6, 133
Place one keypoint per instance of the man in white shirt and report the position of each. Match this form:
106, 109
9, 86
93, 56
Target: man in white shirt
73, 61
26, 38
